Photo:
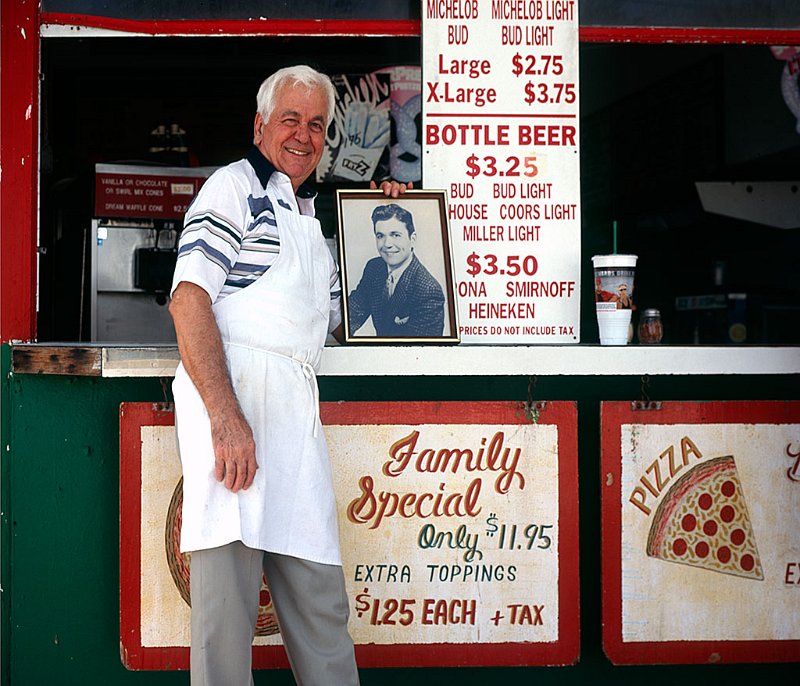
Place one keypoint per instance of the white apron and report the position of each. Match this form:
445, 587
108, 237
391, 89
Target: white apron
273, 332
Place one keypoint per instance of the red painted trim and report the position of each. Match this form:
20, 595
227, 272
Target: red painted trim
19, 83
410, 27
688, 35
132, 417
564, 651
237, 27
612, 416
360, 413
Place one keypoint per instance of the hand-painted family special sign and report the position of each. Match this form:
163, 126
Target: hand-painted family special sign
701, 524
459, 531
458, 525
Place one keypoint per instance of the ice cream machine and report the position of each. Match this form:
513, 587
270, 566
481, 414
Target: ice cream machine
138, 216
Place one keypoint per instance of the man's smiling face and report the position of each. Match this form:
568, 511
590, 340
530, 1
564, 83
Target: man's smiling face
394, 244
294, 135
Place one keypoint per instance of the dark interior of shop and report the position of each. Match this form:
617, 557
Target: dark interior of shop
656, 120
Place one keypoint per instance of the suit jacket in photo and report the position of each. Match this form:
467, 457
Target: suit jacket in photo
416, 307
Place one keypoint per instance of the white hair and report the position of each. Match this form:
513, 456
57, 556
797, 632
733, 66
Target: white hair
298, 74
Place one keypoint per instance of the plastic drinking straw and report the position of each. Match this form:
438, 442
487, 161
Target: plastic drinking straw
615, 236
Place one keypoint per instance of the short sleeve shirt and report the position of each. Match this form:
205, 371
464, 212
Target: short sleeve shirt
230, 236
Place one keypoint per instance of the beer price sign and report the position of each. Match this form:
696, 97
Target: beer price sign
500, 113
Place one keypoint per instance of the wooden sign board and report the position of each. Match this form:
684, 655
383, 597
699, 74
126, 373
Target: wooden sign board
458, 526
701, 532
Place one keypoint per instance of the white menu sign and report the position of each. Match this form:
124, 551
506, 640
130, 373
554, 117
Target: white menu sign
500, 114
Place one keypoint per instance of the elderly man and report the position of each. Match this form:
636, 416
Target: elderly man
255, 293
396, 290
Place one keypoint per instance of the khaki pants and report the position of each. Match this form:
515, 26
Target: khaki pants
310, 603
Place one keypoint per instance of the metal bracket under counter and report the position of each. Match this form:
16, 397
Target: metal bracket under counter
416, 360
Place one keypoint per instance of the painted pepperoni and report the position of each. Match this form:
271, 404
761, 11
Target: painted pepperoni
679, 547
724, 554
701, 549
705, 501
727, 514
710, 527
728, 488
737, 537
688, 523
747, 563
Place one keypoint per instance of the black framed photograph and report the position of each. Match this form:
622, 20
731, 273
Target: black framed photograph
396, 267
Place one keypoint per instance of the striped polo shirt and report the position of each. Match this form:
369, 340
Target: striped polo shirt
230, 236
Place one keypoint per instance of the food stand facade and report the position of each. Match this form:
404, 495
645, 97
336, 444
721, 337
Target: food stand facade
60, 402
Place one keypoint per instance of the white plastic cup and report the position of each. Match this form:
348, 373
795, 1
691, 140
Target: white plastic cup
614, 327
613, 289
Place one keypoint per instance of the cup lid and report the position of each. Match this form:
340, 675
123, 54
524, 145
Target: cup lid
606, 261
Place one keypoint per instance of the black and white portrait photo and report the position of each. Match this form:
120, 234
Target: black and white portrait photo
396, 267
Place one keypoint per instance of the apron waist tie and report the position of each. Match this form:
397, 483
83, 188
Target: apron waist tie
311, 377
308, 372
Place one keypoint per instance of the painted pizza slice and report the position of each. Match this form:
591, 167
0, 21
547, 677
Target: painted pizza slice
703, 521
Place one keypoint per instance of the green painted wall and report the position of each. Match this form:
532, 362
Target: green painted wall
60, 519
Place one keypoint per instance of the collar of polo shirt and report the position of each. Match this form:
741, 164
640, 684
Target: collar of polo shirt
264, 170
